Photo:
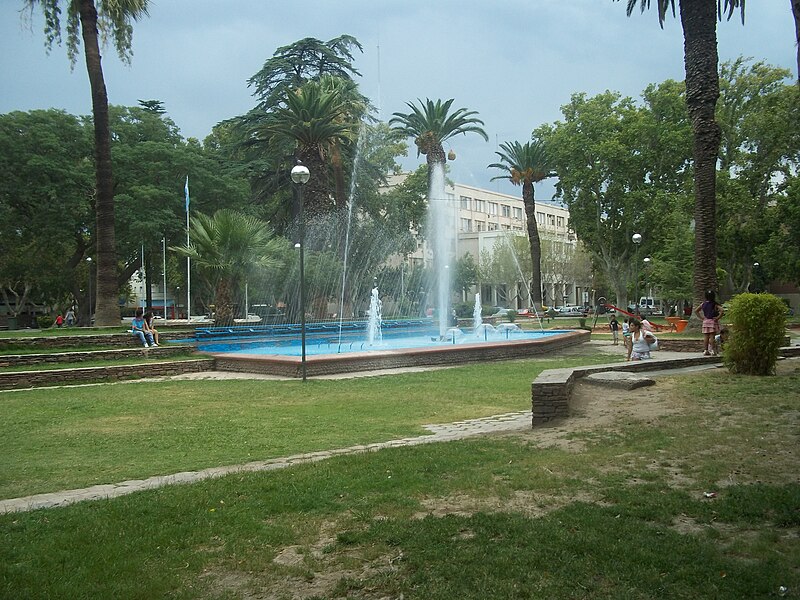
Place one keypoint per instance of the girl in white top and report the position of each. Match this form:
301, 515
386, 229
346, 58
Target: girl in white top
640, 342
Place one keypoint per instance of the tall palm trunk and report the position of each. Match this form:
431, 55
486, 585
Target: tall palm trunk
317, 199
535, 243
107, 312
699, 21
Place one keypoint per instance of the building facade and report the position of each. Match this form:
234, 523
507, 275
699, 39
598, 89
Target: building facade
486, 220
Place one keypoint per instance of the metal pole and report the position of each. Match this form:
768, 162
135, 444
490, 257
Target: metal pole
164, 255
300, 176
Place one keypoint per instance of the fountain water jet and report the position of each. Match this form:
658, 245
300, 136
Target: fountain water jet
440, 221
374, 334
477, 320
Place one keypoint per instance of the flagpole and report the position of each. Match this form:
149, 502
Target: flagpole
188, 260
164, 272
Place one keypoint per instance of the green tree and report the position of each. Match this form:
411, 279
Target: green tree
45, 208
313, 123
525, 165
226, 249
151, 162
302, 61
699, 23
109, 19
597, 152
466, 274
758, 113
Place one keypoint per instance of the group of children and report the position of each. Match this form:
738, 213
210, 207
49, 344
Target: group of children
142, 328
638, 339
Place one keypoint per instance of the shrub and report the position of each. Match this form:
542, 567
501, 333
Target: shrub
758, 329
44, 321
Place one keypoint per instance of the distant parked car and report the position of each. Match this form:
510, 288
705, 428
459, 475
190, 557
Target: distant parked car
572, 311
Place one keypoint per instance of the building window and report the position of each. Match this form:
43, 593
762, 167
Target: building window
506, 227
466, 225
517, 213
466, 202
480, 226
560, 221
493, 208
506, 210
480, 205
551, 220
492, 226
540, 218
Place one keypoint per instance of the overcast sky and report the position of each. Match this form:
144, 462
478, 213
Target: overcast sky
516, 62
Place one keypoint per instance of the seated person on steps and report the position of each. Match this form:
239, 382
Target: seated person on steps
138, 329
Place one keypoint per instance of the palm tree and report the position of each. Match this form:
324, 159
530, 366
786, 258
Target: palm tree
111, 19
525, 165
226, 249
313, 122
430, 125
699, 23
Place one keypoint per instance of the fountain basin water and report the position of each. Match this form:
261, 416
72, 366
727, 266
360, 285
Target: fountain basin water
327, 355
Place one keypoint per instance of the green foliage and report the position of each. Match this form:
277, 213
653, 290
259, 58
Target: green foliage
431, 124
44, 321
619, 164
759, 327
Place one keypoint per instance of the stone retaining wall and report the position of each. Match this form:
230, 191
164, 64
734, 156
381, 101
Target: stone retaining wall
20, 360
115, 340
26, 379
551, 391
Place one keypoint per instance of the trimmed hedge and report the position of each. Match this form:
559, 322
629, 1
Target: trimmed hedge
758, 330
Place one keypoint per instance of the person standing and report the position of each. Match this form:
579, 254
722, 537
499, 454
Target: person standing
70, 317
711, 312
614, 326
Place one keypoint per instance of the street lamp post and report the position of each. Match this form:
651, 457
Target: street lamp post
637, 240
646, 290
300, 176
89, 271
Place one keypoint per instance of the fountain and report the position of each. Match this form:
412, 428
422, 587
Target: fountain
347, 328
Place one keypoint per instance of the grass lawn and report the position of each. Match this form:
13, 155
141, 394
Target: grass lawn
611, 509
81, 436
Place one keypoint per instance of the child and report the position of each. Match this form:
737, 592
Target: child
138, 329
148, 322
720, 339
614, 326
711, 311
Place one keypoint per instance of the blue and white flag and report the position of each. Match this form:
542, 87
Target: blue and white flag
186, 191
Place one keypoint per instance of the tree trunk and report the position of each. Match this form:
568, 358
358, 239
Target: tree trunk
107, 308
699, 21
316, 193
535, 243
